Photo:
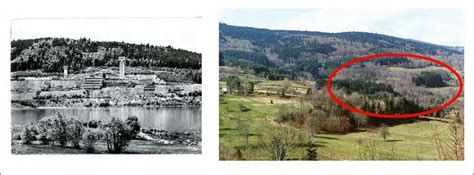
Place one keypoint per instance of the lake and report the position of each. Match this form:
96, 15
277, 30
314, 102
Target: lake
169, 119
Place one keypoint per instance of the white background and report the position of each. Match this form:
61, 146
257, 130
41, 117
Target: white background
207, 163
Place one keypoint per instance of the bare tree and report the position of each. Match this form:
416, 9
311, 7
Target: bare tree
243, 127
284, 87
384, 133
278, 141
453, 149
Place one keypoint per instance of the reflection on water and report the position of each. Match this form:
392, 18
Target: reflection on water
170, 119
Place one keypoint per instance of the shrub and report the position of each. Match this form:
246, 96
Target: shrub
243, 127
45, 130
92, 123
74, 130
287, 113
29, 134
89, 138
116, 135
60, 130
243, 108
312, 152
336, 124
384, 133
16, 137
277, 142
238, 153
133, 125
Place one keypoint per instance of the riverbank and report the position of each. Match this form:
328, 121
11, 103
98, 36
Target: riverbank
149, 141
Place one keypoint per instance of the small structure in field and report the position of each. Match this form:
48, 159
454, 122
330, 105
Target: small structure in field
91, 83
65, 71
149, 90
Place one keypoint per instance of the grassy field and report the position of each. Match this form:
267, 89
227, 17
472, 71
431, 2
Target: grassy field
407, 142
134, 147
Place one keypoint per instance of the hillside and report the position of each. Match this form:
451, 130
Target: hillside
307, 55
50, 54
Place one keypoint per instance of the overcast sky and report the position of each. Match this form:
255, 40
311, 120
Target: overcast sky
178, 32
440, 26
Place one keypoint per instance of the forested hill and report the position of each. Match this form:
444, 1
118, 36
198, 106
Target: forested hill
50, 54
269, 51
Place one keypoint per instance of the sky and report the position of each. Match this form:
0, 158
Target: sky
177, 32
437, 26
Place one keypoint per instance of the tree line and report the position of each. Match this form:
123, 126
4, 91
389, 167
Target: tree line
50, 54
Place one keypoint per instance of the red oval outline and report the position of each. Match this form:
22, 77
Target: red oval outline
333, 74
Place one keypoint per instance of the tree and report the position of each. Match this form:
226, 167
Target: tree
284, 87
312, 151
309, 91
233, 83
278, 141
221, 59
243, 127
247, 88
429, 79
383, 131
116, 135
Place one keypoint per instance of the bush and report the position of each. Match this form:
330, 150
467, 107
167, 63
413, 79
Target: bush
287, 113
133, 125
92, 124
243, 108
312, 152
54, 129
298, 116
16, 137
60, 130
278, 141
384, 133
336, 124
116, 135
29, 134
45, 130
74, 130
89, 138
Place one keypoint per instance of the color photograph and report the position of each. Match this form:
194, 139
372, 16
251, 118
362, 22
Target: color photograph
341, 84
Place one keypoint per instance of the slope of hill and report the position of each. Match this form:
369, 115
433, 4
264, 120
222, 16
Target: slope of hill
274, 103
50, 54
312, 55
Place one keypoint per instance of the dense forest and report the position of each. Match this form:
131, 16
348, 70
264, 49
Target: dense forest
360, 86
429, 79
50, 54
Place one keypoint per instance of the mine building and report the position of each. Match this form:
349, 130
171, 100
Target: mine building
149, 90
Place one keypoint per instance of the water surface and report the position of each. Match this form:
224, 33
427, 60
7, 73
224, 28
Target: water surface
169, 119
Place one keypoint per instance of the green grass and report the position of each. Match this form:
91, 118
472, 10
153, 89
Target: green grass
407, 142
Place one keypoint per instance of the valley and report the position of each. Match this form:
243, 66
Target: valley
274, 103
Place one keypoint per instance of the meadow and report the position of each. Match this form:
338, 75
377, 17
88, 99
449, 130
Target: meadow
241, 133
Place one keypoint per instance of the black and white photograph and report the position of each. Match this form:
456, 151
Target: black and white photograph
106, 86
